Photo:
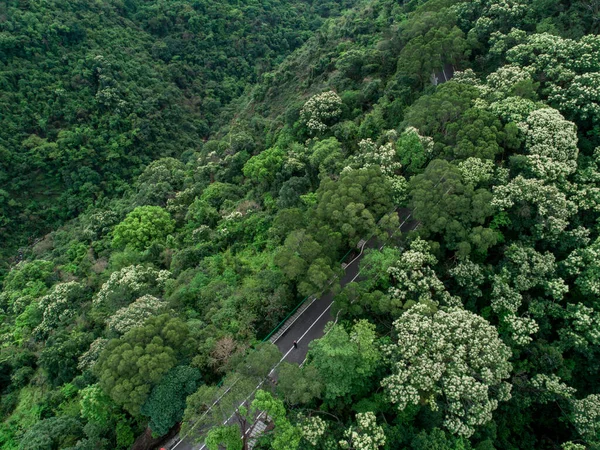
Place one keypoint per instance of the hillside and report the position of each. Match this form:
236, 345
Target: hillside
287, 134
93, 92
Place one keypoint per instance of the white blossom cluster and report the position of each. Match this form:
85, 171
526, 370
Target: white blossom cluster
452, 357
552, 206
525, 269
469, 276
550, 388
59, 306
135, 314
513, 108
386, 158
476, 170
585, 264
313, 428
521, 328
367, 435
320, 109
582, 329
414, 278
586, 418
501, 83
89, 358
581, 96
131, 281
551, 143
571, 70
572, 446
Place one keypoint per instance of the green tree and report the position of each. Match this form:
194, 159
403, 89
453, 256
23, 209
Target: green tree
456, 211
353, 204
129, 367
345, 361
166, 403
142, 227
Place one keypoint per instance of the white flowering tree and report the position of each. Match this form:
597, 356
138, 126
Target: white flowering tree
586, 418
313, 428
365, 435
415, 280
320, 111
386, 158
452, 360
59, 306
524, 269
128, 284
136, 313
551, 144
545, 209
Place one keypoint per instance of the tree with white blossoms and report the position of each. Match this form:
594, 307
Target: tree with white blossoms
586, 418
135, 314
524, 269
570, 71
451, 359
320, 111
545, 211
385, 157
365, 435
415, 280
312, 428
59, 306
551, 144
476, 170
127, 284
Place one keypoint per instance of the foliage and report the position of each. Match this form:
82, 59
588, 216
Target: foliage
166, 402
451, 360
142, 227
129, 367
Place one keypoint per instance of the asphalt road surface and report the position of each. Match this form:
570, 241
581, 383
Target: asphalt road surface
310, 325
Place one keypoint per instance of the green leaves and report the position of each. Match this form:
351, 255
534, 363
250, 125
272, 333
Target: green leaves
129, 367
166, 402
142, 227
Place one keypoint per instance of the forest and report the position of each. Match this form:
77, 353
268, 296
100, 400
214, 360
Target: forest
176, 177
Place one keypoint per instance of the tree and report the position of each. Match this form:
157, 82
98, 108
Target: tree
128, 284
551, 144
159, 182
142, 227
129, 367
326, 156
135, 314
263, 167
353, 204
166, 403
298, 385
346, 361
55, 432
452, 360
320, 111
366, 435
447, 206
415, 281
586, 418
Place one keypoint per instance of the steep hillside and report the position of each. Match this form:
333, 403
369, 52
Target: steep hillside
92, 92
476, 330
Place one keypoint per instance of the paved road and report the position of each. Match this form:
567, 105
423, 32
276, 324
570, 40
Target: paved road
310, 325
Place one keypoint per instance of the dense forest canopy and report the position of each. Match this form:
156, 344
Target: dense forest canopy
185, 173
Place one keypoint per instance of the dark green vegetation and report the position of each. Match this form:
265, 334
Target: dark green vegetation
93, 91
213, 182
